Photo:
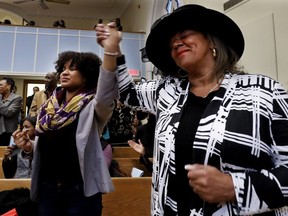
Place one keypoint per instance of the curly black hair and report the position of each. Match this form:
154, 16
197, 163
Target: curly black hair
88, 64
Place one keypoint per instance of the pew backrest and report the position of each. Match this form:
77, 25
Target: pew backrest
1, 169
9, 184
124, 152
130, 198
2, 149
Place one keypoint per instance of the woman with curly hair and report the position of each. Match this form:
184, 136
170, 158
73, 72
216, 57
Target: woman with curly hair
70, 172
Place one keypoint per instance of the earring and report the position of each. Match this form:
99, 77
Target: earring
182, 73
214, 53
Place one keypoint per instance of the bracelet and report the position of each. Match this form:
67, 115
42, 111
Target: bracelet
111, 53
28, 152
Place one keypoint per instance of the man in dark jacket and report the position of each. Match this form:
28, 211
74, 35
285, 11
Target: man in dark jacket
29, 99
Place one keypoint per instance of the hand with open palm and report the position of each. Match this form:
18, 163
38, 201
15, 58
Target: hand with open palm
138, 147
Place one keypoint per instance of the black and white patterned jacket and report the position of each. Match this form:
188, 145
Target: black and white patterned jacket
243, 132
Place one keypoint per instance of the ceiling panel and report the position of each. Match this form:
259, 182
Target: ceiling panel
92, 9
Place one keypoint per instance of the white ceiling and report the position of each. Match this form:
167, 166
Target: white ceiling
90, 9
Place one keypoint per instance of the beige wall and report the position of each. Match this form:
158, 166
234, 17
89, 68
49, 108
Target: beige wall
14, 18
266, 22
19, 83
137, 16
263, 22
134, 19
264, 25
48, 21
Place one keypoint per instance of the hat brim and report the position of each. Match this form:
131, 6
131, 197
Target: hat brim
193, 17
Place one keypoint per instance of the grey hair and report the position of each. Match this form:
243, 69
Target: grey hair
226, 58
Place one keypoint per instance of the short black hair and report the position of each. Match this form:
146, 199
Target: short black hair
10, 82
87, 63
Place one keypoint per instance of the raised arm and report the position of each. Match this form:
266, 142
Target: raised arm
107, 90
109, 38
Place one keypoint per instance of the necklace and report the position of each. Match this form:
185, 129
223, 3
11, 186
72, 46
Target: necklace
213, 88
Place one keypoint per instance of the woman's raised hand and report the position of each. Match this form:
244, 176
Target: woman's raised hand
22, 140
107, 36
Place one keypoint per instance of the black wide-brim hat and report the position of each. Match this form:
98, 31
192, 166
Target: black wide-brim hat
194, 17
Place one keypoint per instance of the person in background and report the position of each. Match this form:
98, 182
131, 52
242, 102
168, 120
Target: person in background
56, 23
120, 124
21, 114
136, 122
17, 159
10, 108
62, 24
106, 146
7, 22
144, 159
118, 24
145, 131
221, 134
51, 80
29, 99
70, 172
31, 23
143, 142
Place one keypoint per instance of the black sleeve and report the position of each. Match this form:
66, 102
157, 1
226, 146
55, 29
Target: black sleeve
29, 101
146, 162
121, 60
9, 167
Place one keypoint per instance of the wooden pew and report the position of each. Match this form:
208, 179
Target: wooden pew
8, 184
130, 198
1, 169
124, 152
126, 165
118, 152
2, 149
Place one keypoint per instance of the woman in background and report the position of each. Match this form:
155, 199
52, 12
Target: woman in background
18, 158
70, 172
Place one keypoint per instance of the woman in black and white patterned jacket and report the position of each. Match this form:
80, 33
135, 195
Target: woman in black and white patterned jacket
221, 139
